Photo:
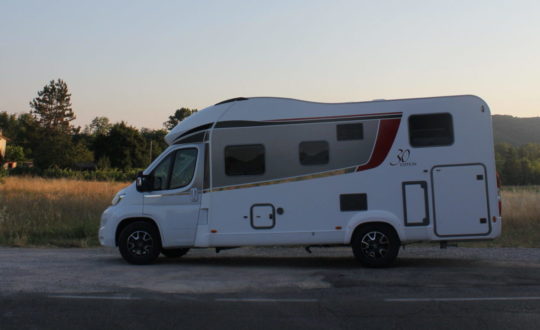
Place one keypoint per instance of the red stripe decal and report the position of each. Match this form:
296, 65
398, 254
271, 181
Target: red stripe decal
387, 133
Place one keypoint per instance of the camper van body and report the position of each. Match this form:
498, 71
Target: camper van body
276, 171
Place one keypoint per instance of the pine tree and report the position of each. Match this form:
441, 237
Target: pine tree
52, 107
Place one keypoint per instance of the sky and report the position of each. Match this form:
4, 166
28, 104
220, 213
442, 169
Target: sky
138, 61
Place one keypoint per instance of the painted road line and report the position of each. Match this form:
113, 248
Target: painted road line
94, 297
460, 299
266, 300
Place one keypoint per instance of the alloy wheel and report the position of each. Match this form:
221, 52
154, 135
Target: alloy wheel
140, 243
375, 244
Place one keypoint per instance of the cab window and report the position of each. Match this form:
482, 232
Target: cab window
176, 170
184, 168
161, 174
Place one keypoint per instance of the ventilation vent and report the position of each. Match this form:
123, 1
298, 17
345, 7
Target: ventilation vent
353, 202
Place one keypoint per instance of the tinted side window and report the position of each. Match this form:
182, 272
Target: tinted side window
244, 160
161, 173
350, 132
314, 152
431, 130
185, 161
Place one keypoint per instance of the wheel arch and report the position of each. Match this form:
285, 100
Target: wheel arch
125, 222
361, 220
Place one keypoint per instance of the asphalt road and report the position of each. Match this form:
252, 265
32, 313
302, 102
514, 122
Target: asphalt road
269, 288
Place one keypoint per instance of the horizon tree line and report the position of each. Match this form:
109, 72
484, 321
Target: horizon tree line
47, 136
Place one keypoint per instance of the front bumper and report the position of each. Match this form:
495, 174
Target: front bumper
107, 228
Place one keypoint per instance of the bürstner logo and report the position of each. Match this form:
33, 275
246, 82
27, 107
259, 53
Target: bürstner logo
403, 156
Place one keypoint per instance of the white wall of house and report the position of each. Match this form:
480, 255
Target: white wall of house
2, 148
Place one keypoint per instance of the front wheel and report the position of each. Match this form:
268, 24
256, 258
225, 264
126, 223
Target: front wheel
139, 243
376, 245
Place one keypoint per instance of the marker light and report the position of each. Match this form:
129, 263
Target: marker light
117, 198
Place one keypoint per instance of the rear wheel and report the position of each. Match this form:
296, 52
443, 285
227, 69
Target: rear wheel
376, 245
139, 243
174, 253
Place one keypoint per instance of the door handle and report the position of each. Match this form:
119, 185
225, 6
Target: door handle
194, 194
152, 196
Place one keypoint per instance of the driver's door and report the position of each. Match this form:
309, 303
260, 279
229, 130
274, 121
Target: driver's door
174, 200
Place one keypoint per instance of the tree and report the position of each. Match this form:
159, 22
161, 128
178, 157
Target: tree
124, 146
28, 134
58, 150
14, 153
518, 165
103, 163
178, 116
8, 124
155, 139
80, 154
53, 141
52, 107
98, 126
50, 150
22, 130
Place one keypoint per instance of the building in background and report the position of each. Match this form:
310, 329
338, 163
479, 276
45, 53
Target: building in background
3, 143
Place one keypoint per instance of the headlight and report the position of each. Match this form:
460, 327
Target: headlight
117, 198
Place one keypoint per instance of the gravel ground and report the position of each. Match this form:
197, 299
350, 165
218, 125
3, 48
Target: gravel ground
262, 269
269, 288
492, 254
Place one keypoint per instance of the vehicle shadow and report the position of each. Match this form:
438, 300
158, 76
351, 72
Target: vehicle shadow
313, 262
306, 262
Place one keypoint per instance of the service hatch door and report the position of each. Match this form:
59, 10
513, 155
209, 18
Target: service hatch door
460, 200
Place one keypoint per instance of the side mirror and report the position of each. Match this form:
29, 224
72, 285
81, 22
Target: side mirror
144, 182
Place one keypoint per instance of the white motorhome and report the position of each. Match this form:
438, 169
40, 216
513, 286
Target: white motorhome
275, 171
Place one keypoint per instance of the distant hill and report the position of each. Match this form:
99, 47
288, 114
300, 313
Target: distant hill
516, 131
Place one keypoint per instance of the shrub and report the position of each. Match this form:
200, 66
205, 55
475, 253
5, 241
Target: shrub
110, 174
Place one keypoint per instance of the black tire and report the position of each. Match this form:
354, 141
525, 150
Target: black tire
139, 243
375, 245
174, 253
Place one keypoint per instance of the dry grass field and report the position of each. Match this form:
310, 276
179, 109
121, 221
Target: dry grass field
52, 212
60, 212
521, 218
